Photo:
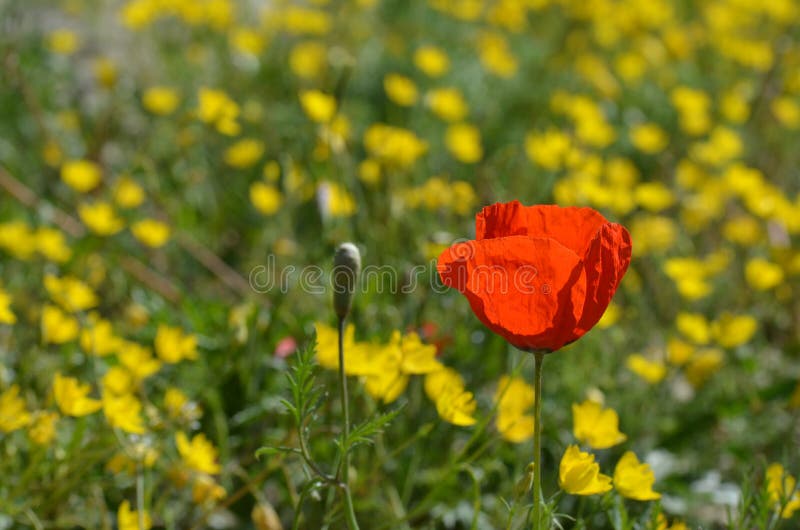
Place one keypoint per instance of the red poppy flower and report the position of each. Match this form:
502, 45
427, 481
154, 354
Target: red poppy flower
539, 276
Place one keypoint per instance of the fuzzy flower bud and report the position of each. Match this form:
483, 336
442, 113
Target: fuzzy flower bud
346, 267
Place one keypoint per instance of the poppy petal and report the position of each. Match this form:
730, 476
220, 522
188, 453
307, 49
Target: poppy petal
530, 290
572, 226
606, 260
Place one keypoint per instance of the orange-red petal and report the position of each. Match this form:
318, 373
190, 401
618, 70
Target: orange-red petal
572, 226
530, 290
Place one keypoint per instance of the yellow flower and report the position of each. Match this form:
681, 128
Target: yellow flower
654, 196
161, 100
100, 218
57, 326
178, 406
610, 316
548, 149
393, 145
679, 352
266, 198
369, 171
400, 89
515, 428
123, 412
694, 327
731, 330
247, 40
98, 338
6, 315
299, 20
596, 426
62, 41
138, 360
417, 358
172, 345
634, 480
70, 293
495, 55
199, 454
81, 175
441, 381
244, 153
13, 414
514, 397
463, 140
151, 232
51, 244
117, 381
71, 397
447, 103
318, 106
431, 60
128, 193
308, 59
780, 485
105, 71
457, 407
42, 430
356, 359
386, 380
128, 519
334, 200
763, 275
650, 371
216, 108
649, 138
786, 111
703, 365
206, 490
579, 474
652, 233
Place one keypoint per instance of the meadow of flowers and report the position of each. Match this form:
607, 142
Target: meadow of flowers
176, 177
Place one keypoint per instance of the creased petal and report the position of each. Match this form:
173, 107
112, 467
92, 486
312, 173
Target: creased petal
529, 290
573, 227
606, 260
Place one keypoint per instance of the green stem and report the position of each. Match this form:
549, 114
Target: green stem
537, 441
350, 514
140, 495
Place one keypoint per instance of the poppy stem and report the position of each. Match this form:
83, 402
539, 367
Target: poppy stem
537, 440
350, 515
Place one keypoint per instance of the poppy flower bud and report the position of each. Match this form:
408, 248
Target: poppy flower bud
346, 267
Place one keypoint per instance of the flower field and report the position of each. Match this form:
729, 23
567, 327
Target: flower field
385, 264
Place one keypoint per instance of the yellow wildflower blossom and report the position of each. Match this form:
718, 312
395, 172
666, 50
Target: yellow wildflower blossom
42, 430
72, 397
13, 413
633, 479
199, 454
58, 327
596, 426
100, 218
81, 175
161, 100
151, 232
579, 474
173, 345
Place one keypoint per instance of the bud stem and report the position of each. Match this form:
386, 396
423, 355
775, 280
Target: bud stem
352, 524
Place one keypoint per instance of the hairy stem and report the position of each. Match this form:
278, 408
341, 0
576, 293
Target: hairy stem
537, 441
350, 515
